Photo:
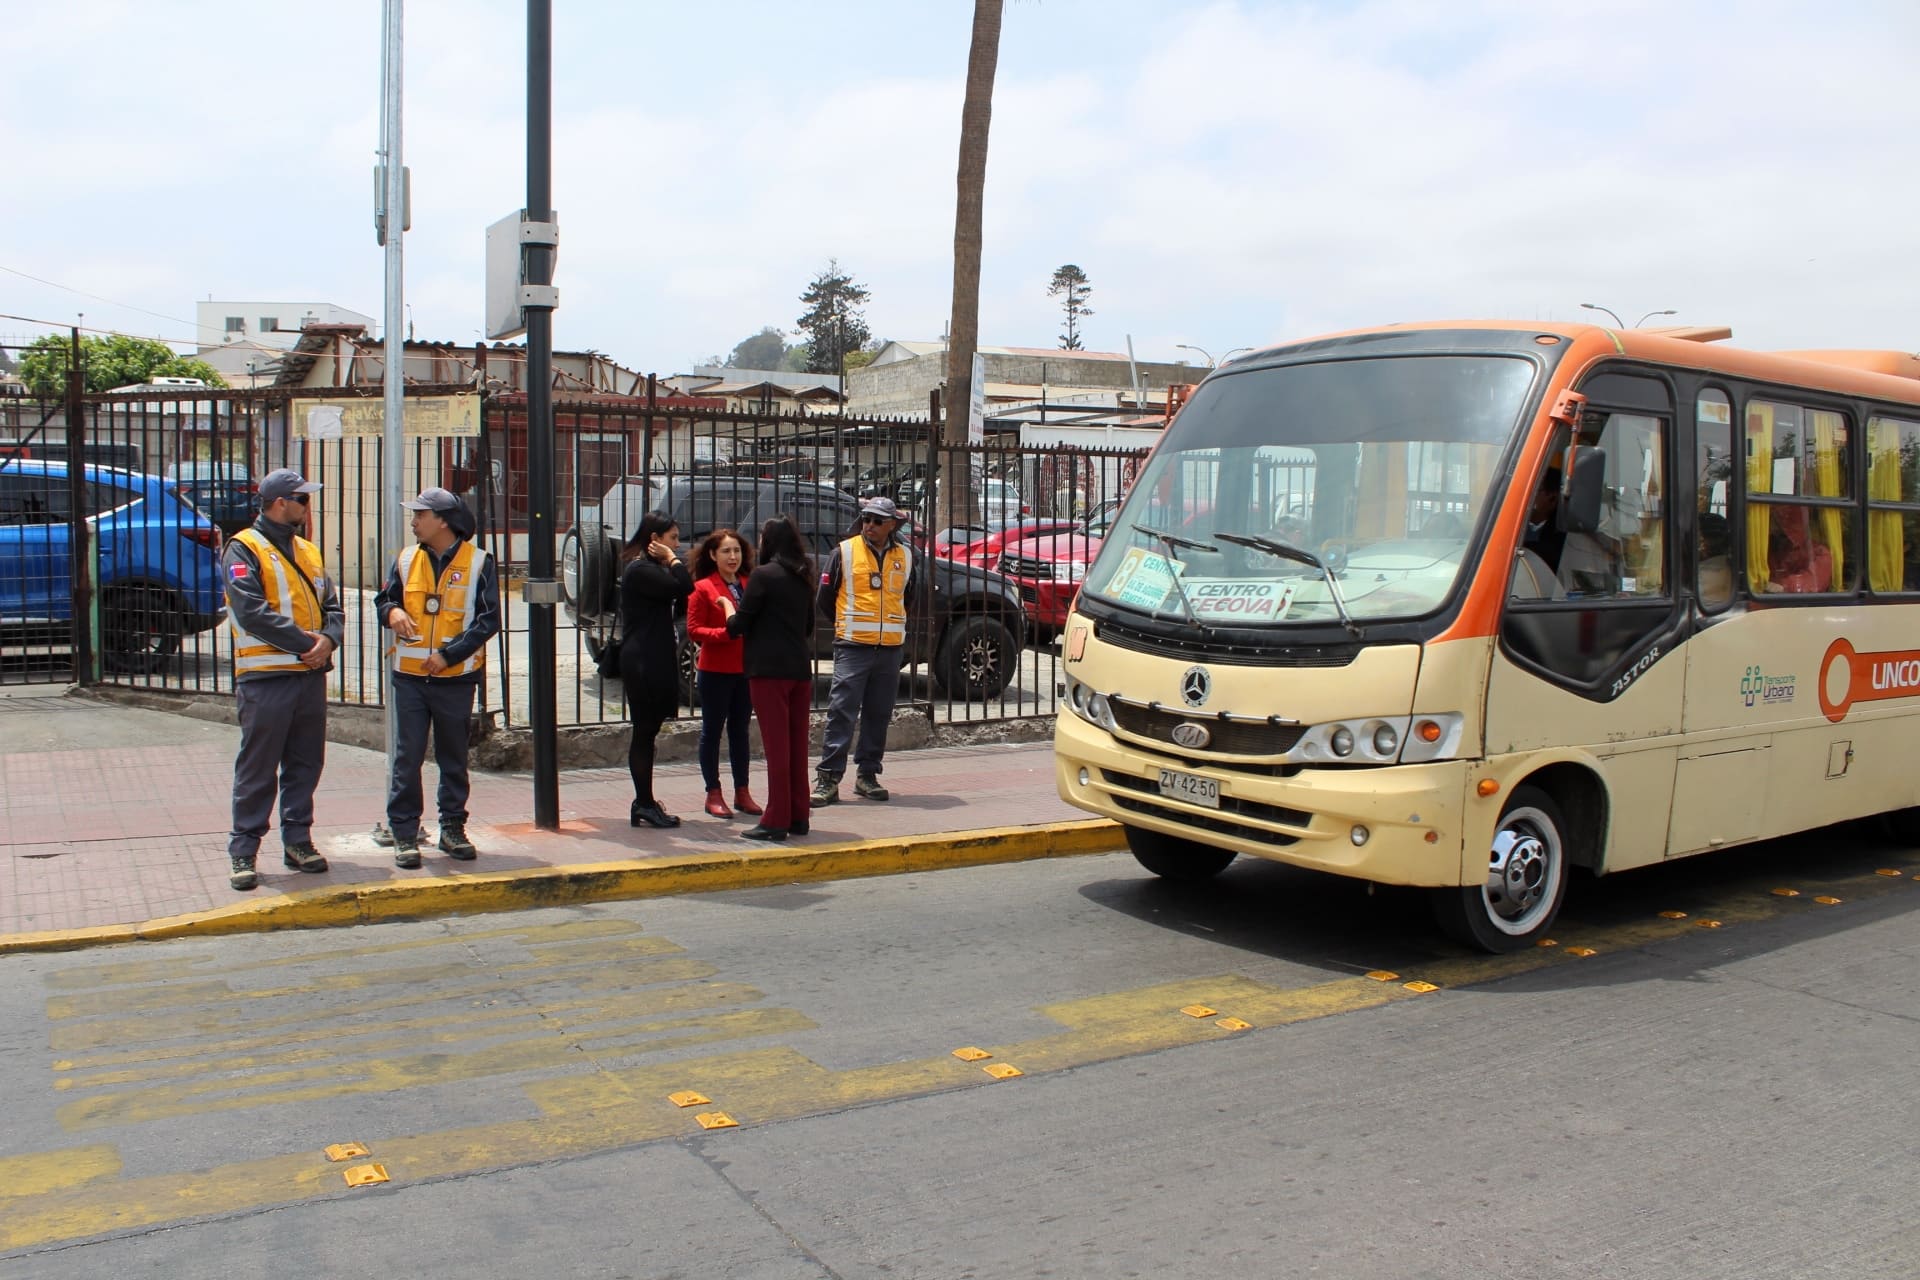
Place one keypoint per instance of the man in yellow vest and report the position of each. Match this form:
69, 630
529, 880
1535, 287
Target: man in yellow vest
442, 603
870, 582
284, 614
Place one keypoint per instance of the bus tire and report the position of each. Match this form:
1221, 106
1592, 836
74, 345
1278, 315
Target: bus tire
1902, 825
1526, 879
1175, 857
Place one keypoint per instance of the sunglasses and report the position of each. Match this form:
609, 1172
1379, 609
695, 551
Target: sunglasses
302, 498
873, 519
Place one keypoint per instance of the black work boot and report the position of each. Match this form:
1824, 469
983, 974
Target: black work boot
302, 856
242, 875
454, 842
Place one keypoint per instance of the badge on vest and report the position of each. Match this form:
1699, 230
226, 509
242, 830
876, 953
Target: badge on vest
873, 582
432, 605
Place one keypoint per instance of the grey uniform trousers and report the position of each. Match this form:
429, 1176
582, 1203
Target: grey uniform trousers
447, 709
866, 683
283, 747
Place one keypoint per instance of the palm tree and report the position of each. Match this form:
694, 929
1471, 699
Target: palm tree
963, 331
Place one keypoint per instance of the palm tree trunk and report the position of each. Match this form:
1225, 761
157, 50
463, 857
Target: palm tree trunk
963, 331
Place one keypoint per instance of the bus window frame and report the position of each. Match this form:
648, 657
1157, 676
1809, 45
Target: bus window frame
1663, 628
1850, 411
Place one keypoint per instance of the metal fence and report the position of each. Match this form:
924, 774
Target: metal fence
176, 463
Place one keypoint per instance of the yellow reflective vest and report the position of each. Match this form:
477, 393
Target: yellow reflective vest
454, 590
872, 605
292, 595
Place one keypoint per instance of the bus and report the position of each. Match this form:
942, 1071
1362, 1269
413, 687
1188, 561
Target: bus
1465, 606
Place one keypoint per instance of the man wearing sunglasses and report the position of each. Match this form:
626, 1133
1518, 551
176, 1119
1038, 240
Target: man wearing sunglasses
286, 621
869, 583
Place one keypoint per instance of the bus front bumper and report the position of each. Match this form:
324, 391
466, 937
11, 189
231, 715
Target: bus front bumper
1395, 824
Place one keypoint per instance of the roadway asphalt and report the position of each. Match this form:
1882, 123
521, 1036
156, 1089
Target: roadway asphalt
115, 822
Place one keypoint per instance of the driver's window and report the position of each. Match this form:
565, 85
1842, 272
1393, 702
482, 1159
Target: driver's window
1624, 555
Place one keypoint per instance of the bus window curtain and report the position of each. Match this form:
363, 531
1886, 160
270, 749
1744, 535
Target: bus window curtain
1826, 475
1886, 536
1759, 480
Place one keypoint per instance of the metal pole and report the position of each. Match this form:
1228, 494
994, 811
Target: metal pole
80, 547
542, 590
393, 376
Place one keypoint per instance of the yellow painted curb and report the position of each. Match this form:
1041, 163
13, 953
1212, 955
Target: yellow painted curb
528, 888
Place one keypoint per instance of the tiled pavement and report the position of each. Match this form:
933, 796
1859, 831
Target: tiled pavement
114, 815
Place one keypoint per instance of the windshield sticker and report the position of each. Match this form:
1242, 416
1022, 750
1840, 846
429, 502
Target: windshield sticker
1143, 579
1226, 598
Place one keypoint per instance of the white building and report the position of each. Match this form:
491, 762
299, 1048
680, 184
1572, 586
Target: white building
245, 340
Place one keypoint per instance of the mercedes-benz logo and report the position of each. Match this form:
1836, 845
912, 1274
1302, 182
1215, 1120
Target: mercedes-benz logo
1195, 685
1191, 735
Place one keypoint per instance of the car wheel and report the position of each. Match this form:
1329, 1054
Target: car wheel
689, 654
975, 658
140, 628
1175, 857
1525, 883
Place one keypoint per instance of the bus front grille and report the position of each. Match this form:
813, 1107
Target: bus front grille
1146, 799
1230, 737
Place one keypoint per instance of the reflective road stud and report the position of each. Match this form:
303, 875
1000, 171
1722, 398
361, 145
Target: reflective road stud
1002, 1070
1198, 1011
971, 1054
1673, 915
345, 1151
365, 1175
1419, 988
716, 1120
1826, 901
1382, 975
1582, 951
1708, 924
1232, 1024
1888, 871
688, 1098
1786, 893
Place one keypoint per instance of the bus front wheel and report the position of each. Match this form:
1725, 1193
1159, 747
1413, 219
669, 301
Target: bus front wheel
1525, 882
1176, 858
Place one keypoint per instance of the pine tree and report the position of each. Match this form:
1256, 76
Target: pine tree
1071, 281
833, 323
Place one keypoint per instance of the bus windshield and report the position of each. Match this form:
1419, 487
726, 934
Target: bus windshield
1343, 491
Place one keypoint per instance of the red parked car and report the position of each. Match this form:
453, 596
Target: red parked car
1048, 564
981, 547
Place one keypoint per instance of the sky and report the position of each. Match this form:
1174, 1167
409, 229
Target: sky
1227, 174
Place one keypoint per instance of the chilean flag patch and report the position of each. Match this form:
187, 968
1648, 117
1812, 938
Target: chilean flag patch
238, 571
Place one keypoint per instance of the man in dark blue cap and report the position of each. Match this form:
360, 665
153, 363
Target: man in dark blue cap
869, 585
442, 603
285, 617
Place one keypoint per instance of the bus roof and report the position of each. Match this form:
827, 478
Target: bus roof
1880, 375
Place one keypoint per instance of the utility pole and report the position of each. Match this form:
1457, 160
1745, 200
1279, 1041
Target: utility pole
80, 555
392, 224
542, 590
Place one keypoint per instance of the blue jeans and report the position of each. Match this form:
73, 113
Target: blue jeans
725, 700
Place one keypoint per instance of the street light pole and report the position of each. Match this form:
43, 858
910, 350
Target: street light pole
1618, 323
1231, 354
1650, 315
1181, 346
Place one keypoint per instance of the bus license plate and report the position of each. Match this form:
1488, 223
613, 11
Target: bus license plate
1190, 787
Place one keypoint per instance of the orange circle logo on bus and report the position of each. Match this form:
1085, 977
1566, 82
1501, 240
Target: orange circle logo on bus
1865, 677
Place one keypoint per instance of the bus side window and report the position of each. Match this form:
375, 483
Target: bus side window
1626, 554
1713, 477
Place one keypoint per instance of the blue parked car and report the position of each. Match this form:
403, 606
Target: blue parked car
220, 490
158, 571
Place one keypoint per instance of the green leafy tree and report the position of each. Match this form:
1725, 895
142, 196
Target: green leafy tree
1071, 287
766, 349
833, 323
116, 361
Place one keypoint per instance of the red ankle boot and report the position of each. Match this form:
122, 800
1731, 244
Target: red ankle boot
743, 801
716, 806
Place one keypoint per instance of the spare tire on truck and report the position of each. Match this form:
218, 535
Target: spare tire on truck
588, 573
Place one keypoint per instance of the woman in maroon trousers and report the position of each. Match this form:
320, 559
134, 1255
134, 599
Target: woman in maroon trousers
775, 617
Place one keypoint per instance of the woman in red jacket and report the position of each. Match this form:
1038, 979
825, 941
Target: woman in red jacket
720, 567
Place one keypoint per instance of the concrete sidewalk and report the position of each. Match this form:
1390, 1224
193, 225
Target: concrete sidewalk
114, 824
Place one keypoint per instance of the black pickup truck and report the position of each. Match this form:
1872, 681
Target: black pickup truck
969, 637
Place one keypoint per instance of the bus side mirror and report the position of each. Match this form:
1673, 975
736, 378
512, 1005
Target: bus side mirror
1586, 484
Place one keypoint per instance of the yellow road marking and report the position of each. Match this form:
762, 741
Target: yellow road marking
43, 1171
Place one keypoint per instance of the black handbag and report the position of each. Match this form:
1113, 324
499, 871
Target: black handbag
609, 664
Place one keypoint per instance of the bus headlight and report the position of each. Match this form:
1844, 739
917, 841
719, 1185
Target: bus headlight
1089, 705
1386, 740
1340, 741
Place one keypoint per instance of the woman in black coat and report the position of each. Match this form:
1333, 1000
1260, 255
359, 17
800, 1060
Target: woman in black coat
653, 581
776, 617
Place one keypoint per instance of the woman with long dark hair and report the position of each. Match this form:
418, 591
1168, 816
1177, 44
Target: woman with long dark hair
652, 582
775, 617
720, 566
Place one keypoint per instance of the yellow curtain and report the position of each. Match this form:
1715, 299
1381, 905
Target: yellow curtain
1759, 480
1886, 536
1826, 475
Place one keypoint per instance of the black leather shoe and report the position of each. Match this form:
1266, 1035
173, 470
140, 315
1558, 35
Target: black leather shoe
798, 828
651, 815
758, 832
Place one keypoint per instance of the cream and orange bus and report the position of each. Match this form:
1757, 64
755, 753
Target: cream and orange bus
1469, 605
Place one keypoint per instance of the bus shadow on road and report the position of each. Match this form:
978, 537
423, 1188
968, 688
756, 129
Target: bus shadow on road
1731, 905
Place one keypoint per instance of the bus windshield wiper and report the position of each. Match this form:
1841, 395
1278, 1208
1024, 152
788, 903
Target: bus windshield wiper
1170, 541
1287, 551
